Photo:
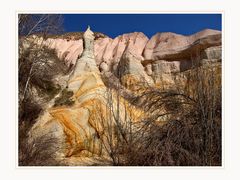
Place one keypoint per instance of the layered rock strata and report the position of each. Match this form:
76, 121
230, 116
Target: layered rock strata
84, 126
161, 55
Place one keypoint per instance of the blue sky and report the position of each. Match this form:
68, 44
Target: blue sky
117, 24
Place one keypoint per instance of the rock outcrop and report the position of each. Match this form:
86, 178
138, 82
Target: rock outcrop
106, 50
212, 53
84, 124
131, 72
138, 58
164, 53
171, 46
85, 65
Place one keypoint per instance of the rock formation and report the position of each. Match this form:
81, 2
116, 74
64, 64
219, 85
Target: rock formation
83, 122
169, 46
131, 72
85, 64
164, 53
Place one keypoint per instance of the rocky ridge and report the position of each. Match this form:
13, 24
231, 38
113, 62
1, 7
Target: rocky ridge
83, 124
164, 53
132, 59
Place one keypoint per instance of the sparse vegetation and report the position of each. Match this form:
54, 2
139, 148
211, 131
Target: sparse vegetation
38, 66
64, 99
178, 125
76, 36
43, 24
183, 127
39, 152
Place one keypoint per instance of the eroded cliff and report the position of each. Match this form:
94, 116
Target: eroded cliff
86, 112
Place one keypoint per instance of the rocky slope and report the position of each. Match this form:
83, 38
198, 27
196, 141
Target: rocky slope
94, 111
164, 53
162, 46
88, 120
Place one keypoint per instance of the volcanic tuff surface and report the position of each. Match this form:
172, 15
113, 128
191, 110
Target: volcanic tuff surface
162, 46
131, 58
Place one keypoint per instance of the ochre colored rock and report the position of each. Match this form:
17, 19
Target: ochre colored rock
162, 46
163, 62
86, 124
164, 53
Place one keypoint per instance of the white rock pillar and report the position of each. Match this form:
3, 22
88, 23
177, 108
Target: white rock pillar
88, 43
85, 64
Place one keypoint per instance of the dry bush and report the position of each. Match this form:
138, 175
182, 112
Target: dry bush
192, 133
38, 67
39, 23
64, 98
183, 127
39, 152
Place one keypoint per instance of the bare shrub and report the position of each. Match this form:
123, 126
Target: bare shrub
37, 69
183, 127
64, 98
39, 152
39, 23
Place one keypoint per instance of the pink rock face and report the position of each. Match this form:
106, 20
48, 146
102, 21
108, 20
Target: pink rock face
68, 50
173, 46
162, 46
106, 50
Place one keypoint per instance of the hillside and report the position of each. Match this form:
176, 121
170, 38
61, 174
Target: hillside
87, 99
